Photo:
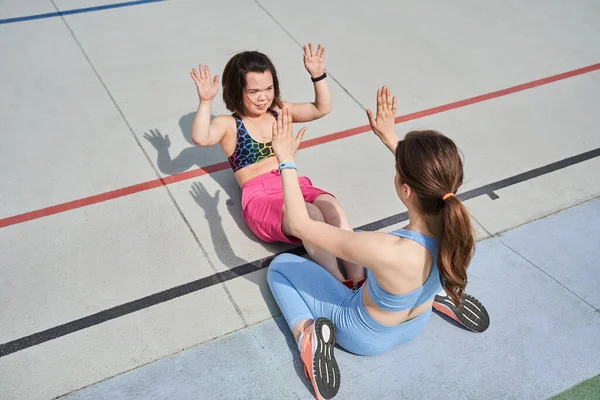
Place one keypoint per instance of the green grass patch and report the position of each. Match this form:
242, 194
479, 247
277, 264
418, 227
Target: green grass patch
586, 390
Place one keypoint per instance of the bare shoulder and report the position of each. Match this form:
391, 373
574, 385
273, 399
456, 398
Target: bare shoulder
411, 257
278, 109
224, 124
223, 119
401, 255
382, 249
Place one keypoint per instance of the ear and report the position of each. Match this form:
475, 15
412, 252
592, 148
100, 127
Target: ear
406, 190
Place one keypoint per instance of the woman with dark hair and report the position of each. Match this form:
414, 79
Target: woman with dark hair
405, 269
251, 92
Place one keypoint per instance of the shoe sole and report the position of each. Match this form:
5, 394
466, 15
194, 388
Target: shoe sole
471, 313
326, 373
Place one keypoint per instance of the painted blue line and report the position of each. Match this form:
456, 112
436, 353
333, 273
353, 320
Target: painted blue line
77, 11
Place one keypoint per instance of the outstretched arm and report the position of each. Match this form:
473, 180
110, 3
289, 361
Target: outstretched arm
204, 131
314, 62
370, 249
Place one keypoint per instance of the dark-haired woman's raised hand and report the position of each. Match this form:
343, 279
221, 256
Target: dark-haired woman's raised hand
383, 123
314, 61
207, 88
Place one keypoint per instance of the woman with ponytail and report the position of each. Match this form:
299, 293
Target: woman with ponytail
428, 165
406, 270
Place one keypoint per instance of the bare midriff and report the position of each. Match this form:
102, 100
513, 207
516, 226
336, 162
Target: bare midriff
391, 318
252, 171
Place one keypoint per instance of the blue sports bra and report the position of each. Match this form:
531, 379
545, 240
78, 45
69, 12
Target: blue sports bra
394, 302
247, 150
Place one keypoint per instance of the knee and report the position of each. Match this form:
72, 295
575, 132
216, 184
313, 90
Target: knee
315, 213
271, 271
282, 261
274, 267
332, 212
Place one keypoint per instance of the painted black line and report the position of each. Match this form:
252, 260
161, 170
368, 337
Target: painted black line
534, 173
139, 304
513, 180
384, 223
493, 196
146, 155
241, 270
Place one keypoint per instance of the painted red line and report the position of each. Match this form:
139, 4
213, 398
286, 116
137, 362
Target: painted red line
210, 169
454, 105
86, 201
113, 194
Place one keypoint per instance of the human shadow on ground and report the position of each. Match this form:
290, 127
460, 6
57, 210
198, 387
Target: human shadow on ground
195, 157
225, 252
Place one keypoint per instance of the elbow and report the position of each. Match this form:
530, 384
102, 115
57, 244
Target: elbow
321, 110
295, 231
298, 228
199, 141
324, 110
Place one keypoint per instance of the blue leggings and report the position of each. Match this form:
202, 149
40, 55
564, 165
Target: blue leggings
305, 290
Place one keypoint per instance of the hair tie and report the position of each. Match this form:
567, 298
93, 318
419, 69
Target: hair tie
447, 195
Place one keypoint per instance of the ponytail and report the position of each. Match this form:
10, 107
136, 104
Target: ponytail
456, 243
430, 164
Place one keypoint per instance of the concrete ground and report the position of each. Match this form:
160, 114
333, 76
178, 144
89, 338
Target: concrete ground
538, 282
120, 248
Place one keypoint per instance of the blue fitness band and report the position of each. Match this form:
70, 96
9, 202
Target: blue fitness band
285, 165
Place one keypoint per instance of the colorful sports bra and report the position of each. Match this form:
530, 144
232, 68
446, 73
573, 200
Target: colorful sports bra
247, 150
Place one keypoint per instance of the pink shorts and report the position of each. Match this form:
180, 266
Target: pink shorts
262, 205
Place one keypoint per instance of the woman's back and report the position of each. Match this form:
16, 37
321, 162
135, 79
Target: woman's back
405, 287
